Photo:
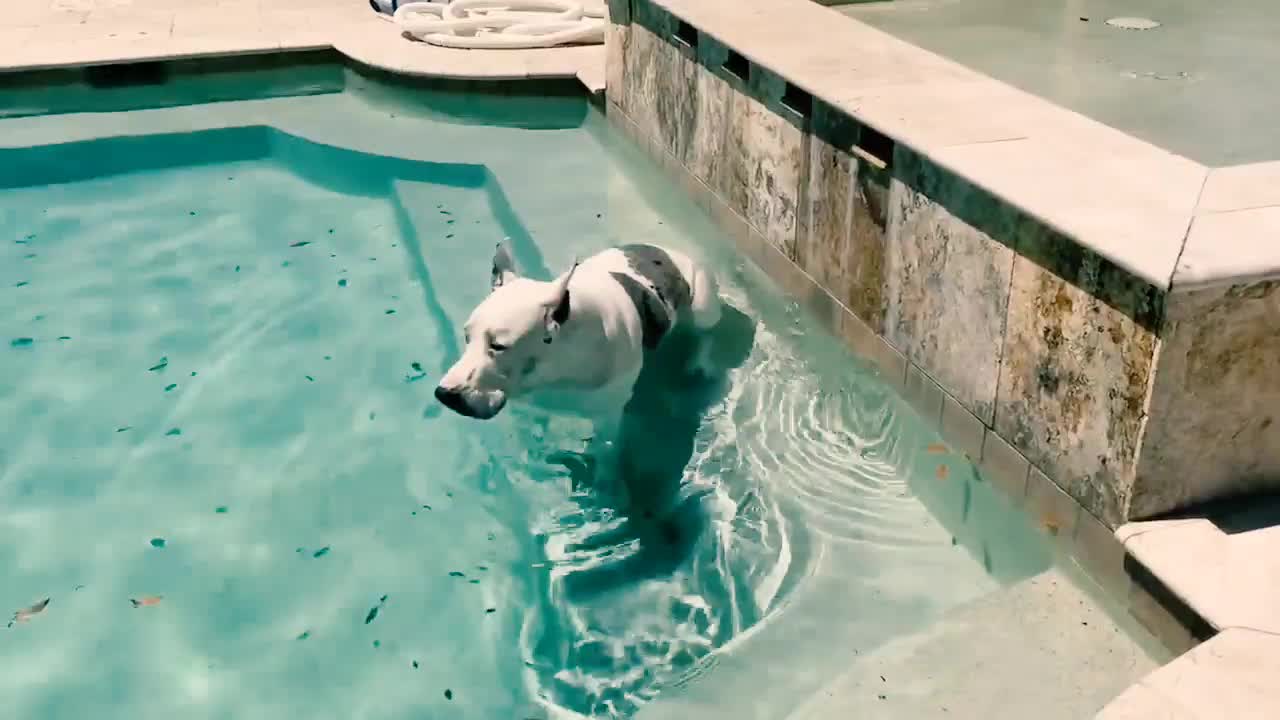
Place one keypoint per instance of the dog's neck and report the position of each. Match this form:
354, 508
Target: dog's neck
565, 361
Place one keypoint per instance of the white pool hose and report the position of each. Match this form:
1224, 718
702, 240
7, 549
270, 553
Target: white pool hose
504, 24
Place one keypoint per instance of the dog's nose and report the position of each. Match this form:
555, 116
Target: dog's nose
453, 400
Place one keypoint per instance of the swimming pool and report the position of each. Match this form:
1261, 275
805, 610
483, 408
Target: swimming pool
221, 326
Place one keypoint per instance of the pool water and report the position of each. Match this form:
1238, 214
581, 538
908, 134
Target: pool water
221, 325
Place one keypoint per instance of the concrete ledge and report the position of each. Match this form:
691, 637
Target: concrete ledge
1072, 173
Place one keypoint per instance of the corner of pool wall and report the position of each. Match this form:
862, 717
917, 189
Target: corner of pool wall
1078, 409
839, 212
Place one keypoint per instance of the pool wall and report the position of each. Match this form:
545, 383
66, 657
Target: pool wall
1074, 380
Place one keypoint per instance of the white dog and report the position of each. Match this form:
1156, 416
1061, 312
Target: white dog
577, 343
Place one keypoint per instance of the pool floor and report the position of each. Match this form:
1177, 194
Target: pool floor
227, 474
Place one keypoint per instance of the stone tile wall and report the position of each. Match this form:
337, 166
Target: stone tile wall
1048, 364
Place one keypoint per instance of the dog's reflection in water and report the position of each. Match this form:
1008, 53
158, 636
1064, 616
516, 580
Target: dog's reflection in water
659, 428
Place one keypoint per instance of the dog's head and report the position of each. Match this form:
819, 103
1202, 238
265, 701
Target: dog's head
508, 336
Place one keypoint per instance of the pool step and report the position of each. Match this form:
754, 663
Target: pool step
1231, 675
1038, 649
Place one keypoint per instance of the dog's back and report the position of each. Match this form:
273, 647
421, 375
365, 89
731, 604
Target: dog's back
666, 287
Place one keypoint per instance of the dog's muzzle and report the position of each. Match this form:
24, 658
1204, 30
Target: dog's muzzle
481, 406
455, 401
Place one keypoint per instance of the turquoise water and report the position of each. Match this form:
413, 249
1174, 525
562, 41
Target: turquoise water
224, 468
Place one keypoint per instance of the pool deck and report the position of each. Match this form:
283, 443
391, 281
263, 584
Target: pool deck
44, 34
1167, 219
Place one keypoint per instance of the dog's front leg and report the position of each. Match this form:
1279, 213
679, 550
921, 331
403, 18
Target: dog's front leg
607, 425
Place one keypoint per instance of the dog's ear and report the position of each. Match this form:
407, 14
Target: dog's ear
504, 268
557, 309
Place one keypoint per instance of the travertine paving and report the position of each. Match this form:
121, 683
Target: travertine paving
37, 34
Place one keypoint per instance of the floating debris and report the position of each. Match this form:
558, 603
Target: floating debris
64, 337
415, 664
146, 601
936, 449
321, 552
377, 643
373, 611
25, 614
300, 243
1050, 524
309, 378
24, 283
942, 472
221, 509
417, 366
304, 635
389, 311
157, 542
330, 231
192, 213
342, 282
455, 573
160, 366
124, 428
237, 268
174, 432
426, 507
21, 342
448, 694
170, 387
490, 611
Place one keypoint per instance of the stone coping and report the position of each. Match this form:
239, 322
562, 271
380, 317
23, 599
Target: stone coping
1131, 202
39, 35
1230, 676
1226, 569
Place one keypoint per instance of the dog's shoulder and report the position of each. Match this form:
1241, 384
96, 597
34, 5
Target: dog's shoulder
655, 280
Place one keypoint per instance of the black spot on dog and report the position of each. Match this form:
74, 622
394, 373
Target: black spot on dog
655, 320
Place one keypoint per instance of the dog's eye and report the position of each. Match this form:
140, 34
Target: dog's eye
497, 347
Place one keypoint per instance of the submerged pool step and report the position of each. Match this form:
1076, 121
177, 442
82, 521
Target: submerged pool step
1039, 649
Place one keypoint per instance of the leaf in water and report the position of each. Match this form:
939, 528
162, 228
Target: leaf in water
1050, 524
373, 615
321, 552
27, 613
164, 363
146, 601
936, 449
943, 472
